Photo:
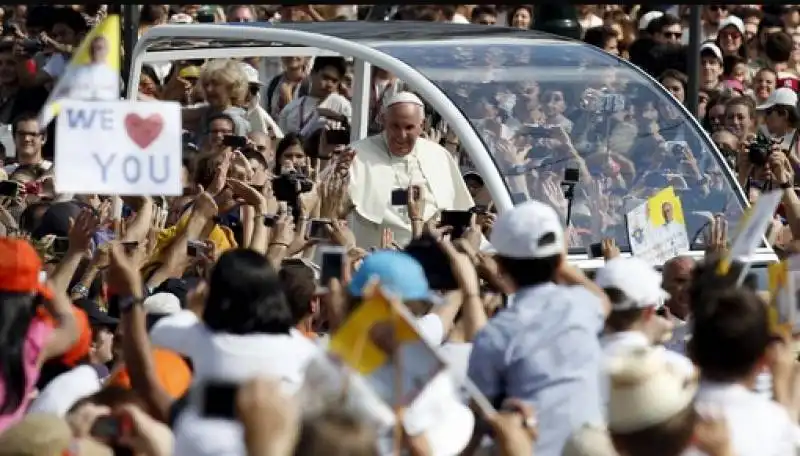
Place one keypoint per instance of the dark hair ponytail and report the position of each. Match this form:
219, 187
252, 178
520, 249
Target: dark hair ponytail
16, 313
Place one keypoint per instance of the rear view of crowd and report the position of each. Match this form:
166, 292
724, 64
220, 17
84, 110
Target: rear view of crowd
211, 323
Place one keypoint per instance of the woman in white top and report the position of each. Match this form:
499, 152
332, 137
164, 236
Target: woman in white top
246, 330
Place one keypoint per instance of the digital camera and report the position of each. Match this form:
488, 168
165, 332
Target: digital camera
759, 150
289, 185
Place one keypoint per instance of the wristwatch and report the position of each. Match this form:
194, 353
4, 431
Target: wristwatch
80, 290
785, 185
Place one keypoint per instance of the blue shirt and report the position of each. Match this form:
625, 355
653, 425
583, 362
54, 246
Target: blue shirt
545, 350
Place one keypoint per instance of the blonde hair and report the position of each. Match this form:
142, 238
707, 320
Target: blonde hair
229, 73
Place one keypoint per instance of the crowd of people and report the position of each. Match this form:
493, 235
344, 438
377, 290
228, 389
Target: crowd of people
212, 323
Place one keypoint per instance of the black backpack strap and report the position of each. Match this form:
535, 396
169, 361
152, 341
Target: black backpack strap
271, 87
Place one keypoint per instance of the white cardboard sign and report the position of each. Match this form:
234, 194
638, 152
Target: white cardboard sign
118, 148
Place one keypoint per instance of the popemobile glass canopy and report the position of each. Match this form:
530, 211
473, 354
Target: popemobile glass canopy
511, 96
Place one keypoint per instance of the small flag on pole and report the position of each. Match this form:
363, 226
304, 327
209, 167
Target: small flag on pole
93, 71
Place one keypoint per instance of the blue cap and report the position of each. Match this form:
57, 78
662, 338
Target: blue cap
398, 273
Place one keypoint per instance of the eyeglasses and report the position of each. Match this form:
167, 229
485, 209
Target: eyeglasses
675, 35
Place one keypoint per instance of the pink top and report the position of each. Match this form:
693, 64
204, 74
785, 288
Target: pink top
38, 333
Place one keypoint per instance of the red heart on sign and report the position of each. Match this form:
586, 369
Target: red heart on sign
144, 130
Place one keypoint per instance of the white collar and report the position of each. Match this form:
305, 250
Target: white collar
625, 337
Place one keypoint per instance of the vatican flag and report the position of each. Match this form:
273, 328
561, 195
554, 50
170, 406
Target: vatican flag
93, 72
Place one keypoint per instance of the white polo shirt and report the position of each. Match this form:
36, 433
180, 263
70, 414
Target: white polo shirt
758, 426
229, 358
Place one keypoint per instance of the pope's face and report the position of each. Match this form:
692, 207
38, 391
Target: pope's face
403, 127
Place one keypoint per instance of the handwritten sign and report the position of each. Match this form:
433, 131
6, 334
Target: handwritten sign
118, 148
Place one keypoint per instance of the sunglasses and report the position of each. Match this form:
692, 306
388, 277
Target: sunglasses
717, 8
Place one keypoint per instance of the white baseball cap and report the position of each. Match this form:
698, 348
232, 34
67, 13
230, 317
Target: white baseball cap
162, 304
529, 230
646, 389
710, 46
783, 96
252, 74
732, 21
634, 277
647, 18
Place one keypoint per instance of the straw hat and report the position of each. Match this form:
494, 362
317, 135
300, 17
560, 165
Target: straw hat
646, 390
40, 434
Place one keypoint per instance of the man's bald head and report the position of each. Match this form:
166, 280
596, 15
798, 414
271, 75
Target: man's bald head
678, 264
676, 280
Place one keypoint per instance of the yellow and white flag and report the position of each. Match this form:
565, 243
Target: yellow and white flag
93, 71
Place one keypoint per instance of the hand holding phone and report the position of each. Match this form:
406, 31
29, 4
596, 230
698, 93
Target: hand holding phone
334, 261
459, 220
196, 248
60, 245
111, 429
318, 229
399, 197
9, 189
236, 142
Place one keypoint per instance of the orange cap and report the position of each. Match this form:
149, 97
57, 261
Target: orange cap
173, 373
20, 268
80, 349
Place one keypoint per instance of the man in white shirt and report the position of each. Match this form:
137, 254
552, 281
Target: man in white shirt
326, 75
730, 340
260, 120
634, 289
397, 159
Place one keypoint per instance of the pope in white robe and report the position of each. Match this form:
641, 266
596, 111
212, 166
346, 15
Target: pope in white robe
398, 158
95, 80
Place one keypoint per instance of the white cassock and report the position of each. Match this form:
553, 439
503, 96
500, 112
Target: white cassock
95, 81
375, 172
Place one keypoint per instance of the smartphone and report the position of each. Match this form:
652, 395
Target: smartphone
400, 195
195, 248
337, 137
459, 220
236, 142
110, 428
536, 131
9, 189
218, 400
595, 250
60, 245
434, 261
270, 220
677, 148
318, 229
333, 263
130, 246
